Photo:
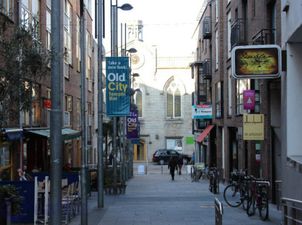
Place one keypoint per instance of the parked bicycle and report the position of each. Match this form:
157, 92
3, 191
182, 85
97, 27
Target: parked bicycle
235, 194
197, 172
213, 176
258, 198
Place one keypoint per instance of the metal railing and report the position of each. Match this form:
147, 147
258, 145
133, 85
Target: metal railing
238, 33
264, 36
292, 211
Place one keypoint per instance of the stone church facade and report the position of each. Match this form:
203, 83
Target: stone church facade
164, 99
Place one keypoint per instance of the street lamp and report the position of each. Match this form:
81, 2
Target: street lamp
114, 52
125, 7
131, 50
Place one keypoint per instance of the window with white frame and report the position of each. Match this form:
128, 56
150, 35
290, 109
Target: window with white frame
4, 155
216, 49
241, 85
174, 143
48, 28
67, 32
88, 5
34, 112
7, 7
229, 24
174, 100
256, 86
29, 16
78, 51
217, 10
139, 103
218, 99
88, 55
230, 90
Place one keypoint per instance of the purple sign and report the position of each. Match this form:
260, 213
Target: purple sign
249, 99
132, 125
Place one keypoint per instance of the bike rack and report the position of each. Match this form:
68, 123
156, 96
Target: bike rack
218, 212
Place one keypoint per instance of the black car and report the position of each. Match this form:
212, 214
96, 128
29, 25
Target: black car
162, 156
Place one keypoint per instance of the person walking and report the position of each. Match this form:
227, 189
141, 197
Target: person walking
172, 166
179, 164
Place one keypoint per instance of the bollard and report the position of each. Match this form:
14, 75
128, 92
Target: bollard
162, 166
8, 211
218, 212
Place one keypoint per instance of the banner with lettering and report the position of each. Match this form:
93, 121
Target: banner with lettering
132, 125
117, 86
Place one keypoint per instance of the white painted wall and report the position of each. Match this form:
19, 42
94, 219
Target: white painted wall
292, 19
294, 99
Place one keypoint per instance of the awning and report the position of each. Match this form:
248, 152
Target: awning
67, 133
204, 133
13, 134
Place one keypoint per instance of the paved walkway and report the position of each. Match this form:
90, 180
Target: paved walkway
153, 199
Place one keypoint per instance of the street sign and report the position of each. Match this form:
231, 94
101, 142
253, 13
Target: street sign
256, 62
203, 111
249, 99
253, 127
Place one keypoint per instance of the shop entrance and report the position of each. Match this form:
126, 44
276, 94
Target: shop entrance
140, 151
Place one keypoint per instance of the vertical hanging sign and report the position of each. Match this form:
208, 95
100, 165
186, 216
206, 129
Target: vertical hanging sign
132, 125
117, 86
249, 99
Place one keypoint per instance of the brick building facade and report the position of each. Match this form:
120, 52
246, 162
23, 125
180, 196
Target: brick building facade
223, 26
34, 149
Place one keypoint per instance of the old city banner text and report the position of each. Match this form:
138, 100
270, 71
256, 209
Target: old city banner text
117, 86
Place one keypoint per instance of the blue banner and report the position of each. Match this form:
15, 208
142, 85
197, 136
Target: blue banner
117, 86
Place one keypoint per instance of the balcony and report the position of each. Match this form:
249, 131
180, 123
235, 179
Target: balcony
264, 37
206, 69
206, 28
238, 34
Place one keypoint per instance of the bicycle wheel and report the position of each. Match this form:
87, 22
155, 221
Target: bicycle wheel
244, 196
263, 206
251, 206
231, 195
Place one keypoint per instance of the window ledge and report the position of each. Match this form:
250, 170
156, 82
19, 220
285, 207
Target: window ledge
174, 120
295, 161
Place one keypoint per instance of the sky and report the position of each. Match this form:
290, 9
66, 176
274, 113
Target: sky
168, 24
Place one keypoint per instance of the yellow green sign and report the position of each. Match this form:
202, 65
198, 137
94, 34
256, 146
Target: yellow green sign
253, 127
256, 61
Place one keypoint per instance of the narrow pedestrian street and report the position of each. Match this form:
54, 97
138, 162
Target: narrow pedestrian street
153, 199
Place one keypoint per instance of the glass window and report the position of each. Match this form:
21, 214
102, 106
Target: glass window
174, 100
139, 103
4, 156
68, 103
29, 15
230, 94
169, 105
7, 7
229, 24
67, 32
217, 10
216, 49
241, 85
218, 99
175, 144
48, 30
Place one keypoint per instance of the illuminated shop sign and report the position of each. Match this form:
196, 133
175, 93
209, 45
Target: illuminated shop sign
256, 62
